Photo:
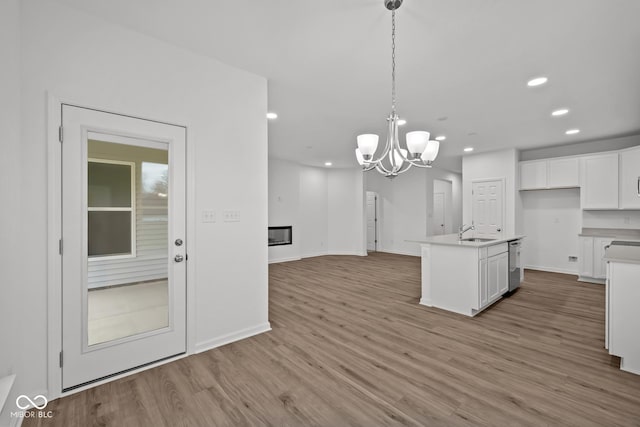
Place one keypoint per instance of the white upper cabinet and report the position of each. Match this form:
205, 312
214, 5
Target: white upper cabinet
533, 175
599, 182
564, 173
630, 179
550, 173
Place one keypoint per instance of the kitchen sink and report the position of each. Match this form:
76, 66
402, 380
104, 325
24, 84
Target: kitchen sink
476, 239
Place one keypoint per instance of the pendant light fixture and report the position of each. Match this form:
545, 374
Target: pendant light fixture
395, 160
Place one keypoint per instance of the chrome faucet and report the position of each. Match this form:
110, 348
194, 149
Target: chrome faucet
464, 228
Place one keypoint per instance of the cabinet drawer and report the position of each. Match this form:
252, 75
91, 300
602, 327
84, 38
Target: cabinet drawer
497, 249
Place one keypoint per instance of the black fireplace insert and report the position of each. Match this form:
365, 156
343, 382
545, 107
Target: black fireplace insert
280, 236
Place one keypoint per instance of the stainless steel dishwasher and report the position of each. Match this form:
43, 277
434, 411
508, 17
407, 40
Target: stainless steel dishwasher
514, 265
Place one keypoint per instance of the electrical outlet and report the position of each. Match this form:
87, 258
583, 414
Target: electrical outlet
573, 259
208, 216
231, 216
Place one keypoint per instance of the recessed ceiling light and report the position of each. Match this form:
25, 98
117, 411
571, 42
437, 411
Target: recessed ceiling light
537, 81
328, 163
441, 138
272, 116
468, 149
402, 122
572, 131
560, 112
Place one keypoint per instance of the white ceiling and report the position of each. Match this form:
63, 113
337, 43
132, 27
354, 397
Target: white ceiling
328, 66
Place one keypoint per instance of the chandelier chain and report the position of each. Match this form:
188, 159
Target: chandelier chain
393, 60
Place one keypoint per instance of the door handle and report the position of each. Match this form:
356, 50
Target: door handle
178, 258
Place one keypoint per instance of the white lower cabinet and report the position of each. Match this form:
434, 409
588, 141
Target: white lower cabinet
493, 273
592, 264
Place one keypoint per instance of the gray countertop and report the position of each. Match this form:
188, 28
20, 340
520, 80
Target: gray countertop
626, 254
452, 240
614, 233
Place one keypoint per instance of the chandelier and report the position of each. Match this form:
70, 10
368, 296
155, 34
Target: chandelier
395, 160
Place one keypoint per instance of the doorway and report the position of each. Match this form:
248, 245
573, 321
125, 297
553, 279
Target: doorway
488, 207
442, 217
372, 221
123, 243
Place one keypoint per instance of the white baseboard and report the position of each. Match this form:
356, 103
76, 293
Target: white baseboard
551, 269
314, 254
277, 260
348, 253
426, 302
389, 251
232, 337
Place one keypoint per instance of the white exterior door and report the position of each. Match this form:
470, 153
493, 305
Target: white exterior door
488, 207
123, 248
372, 221
438, 214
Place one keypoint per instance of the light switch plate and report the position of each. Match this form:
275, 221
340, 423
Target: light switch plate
208, 216
231, 216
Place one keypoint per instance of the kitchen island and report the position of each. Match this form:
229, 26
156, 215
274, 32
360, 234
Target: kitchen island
464, 276
622, 292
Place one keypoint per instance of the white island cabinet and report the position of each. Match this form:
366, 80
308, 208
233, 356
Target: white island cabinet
622, 335
464, 276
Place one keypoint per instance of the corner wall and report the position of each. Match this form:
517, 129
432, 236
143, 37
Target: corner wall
11, 294
83, 59
498, 164
406, 207
325, 207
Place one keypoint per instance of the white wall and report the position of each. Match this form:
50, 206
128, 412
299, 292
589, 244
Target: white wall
497, 164
346, 220
12, 339
284, 207
551, 221
314, 203
88, 61
611, 219
581, 148
406, 207
325, 207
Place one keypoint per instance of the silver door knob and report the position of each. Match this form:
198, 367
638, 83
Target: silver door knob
178, 258
178, 242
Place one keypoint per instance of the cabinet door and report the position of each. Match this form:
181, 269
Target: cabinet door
599, 181
493, 277
599, 265
503, 273
533, 175
630, 179
564, 173
482, 273
586, 256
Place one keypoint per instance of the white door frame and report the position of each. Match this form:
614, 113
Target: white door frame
54, 260
504, 201
376, 222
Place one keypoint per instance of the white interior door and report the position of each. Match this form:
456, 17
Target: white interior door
372, 221
487, 208
438, 214
123, 248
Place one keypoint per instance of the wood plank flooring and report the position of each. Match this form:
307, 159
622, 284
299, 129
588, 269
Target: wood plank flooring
351, 346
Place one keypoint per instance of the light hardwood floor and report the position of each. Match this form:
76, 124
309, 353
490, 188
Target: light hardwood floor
351, 346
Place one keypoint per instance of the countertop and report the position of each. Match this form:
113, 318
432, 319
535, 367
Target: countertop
615, 233
452, 240
626, 254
